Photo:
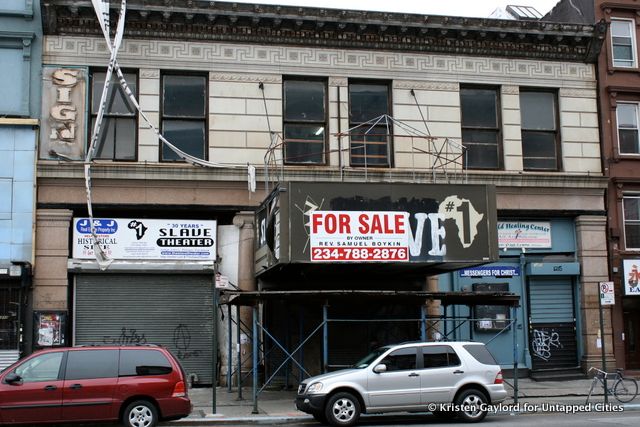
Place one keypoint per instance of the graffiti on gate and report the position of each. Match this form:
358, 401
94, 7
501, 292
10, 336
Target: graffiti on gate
542, 342
128, 336
182, 341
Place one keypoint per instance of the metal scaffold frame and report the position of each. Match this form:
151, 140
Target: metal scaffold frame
322, 298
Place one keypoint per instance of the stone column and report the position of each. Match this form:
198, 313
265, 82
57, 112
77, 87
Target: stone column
592, 254
50, 279
246, 279
433, 309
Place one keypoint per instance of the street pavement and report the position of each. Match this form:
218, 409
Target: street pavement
277, 406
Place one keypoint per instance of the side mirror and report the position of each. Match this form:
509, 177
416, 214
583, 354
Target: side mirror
378, 369
12, 378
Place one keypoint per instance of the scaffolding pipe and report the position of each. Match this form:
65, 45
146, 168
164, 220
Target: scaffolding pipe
229, 348
423, 323
325, 338
238, 336
515, 354
255, 359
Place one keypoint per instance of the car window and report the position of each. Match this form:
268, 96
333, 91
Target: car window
366, 361
85, 364
45, 367
401, 359
143, 362
439, 356
480, 353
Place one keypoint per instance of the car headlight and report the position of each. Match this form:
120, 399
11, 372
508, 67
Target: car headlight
314, 388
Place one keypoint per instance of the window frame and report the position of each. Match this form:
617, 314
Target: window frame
632, 37
416, 361
22, 42
107, 115
636, 105
389, 159
324, 122
497, 128
449, 350
204, 119
626, 197
61, 368
555, 132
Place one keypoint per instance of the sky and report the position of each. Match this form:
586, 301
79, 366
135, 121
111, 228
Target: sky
475, 8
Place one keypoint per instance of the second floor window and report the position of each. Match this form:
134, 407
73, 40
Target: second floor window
623, 45
631, 207
538, 114
480, 127
627, 117
304, 122
369, 141
117, 140
184, 115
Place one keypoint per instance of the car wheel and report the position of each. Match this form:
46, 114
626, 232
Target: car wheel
342, 410
140, 413
473, 405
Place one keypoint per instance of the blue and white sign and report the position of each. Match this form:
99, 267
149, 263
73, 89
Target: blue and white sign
158, 239
490, 271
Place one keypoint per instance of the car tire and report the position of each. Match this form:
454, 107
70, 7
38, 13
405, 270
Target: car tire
140, 413
342, 410
474, 406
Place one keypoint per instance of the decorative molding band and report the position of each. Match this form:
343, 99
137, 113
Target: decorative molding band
149, 74
510, 90
245, 78
438, 86
338, 81
287, 59
578, 93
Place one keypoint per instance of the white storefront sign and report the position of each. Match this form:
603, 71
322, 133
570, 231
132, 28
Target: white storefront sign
524, 234
631, 279
158, 239
359, 236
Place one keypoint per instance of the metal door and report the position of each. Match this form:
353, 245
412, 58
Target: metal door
174, 311
552, 323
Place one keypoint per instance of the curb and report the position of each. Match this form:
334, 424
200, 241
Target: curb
279, 419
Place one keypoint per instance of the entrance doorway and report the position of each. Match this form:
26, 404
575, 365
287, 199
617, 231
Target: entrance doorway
632, 336
552, 324
9, 318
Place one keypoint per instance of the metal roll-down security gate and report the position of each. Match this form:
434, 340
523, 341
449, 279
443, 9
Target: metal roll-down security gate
431, 326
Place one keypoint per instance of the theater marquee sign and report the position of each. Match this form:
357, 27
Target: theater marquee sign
379, 223
63, 130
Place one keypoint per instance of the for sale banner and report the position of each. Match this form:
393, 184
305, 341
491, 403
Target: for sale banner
160, 239
359, 236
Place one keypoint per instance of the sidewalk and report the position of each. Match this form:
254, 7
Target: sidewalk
278, 406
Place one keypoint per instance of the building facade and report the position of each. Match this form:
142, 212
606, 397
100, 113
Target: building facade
315, 95
20, 55
618, 94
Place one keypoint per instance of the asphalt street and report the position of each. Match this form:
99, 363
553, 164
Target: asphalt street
591, 419
579, 419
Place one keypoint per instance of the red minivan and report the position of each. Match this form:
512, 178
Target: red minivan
137, 385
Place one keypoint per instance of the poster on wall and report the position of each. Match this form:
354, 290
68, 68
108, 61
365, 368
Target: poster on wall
524, 234
158, 239
50, 327
631, 280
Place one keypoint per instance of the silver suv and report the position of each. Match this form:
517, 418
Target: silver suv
448, 379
